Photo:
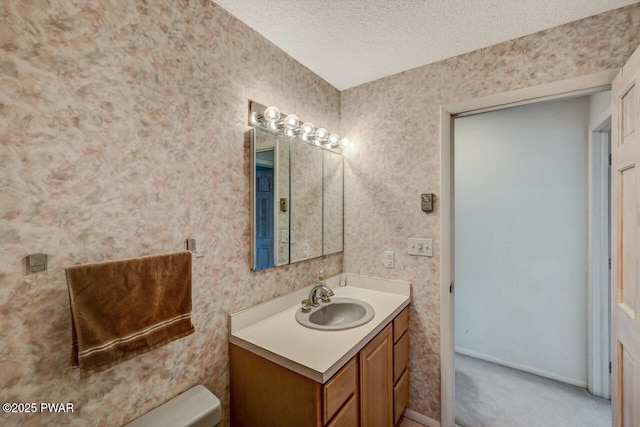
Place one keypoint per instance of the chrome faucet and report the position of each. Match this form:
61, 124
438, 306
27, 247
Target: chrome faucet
324, 290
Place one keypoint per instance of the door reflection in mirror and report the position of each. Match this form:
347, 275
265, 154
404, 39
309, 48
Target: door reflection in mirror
264, 210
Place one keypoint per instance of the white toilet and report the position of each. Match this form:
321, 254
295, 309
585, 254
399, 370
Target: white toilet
196, 407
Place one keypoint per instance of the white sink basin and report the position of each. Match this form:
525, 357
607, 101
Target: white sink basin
339, 314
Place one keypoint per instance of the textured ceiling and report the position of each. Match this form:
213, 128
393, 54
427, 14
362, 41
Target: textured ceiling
350, 42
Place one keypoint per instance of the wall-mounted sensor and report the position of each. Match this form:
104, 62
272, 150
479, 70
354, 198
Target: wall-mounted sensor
36, 263
427, 202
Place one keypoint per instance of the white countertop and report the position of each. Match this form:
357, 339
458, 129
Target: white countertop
271, 330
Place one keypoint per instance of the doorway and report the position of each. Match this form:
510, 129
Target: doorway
522, 184
567, 88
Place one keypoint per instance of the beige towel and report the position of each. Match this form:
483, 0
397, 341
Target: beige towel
124, 308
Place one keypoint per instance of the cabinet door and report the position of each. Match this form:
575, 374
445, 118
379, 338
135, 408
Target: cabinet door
266, 394
376, 381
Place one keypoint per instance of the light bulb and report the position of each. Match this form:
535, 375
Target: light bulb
254, 119
307, 128
322, 133
272, 114
289, 132
273, 125
291, 121
334, 139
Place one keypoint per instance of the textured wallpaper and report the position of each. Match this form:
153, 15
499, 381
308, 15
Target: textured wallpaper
122, 133
394, 124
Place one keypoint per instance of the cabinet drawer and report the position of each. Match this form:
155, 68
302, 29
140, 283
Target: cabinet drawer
400, 324
339, 388
400, 357
400, 396
347, 416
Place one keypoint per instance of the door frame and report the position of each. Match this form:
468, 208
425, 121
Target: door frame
570, 87
599, 256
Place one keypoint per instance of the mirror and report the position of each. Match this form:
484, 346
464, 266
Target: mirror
333, 197
305, 239
297, 200
282, 198
270, 181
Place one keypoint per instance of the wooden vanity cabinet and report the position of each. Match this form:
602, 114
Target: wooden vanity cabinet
367, 391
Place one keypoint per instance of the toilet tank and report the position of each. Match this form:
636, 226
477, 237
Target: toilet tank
196, 407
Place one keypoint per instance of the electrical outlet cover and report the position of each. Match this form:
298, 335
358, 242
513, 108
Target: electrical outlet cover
388, 259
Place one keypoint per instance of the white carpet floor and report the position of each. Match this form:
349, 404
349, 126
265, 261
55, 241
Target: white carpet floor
490, 395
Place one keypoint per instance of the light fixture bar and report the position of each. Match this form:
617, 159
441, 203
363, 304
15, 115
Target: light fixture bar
273, 120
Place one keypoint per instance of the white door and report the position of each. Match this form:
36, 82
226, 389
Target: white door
625, 245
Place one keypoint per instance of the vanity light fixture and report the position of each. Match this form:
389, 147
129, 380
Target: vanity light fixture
272, 114
270, 118
322, 134
344, 142
291, 121
307, 128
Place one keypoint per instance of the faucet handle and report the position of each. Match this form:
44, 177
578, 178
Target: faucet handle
325, 297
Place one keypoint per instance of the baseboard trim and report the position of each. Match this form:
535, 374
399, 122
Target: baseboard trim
524, 368
419, 418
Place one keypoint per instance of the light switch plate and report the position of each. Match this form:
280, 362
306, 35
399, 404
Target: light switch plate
420, 247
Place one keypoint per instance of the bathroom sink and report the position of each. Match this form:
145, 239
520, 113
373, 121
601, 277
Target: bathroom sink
339, 314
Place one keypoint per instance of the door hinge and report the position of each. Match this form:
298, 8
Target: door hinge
451, 288
609, 159
609, 367
609, 263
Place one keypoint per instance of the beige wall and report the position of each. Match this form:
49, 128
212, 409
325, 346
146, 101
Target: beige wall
122, 127
394, 123
122, 133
